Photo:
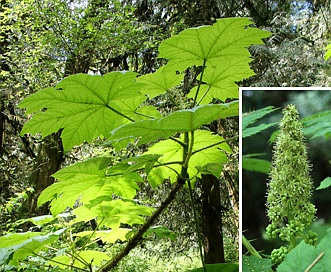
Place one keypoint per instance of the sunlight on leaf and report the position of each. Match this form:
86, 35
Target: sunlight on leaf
87, 181
173, 152
84, 106
179, 121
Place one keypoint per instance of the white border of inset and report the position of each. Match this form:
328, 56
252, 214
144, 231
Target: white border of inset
241, 89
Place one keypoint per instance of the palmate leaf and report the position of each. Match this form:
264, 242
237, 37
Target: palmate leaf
159, 82
220, 82
214, 44
112, 213
172, 152
179, 121
223, 53
85, 106
87, 181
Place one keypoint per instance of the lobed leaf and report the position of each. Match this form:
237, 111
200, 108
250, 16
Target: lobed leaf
215, 45
160, 81
112, 213
109, 236
220, 82
84, 106
86, 181
91, 257
224, 55
179, 121
172, 153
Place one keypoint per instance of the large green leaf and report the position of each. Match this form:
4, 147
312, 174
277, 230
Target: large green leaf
220, 82
303, 256
179, 121
221, 48
172, 152
84, 106
109, 236
225, 41
16, 246
112, 213
253, 263
87, 181
160, 81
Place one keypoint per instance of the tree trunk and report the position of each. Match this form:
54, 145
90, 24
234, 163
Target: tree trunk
48, 161
212, 220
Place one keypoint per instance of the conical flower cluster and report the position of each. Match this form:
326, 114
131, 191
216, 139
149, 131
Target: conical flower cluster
289, 191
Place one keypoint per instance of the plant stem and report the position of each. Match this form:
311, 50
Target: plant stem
199, 84
137, 237
249, 247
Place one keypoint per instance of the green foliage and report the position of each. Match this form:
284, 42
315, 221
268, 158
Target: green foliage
254, 263
289, 207
318, 125
250, 163
249, 119
161, 232
326, 183
17, 246
179, 121
114, 107
306, 257
328, 52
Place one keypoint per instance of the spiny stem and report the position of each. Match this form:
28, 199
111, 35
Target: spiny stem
200, 83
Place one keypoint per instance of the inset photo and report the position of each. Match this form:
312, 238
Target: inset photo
285, 181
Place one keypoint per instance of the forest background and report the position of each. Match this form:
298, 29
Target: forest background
44, 41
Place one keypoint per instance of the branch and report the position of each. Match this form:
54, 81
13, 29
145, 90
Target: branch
137, 237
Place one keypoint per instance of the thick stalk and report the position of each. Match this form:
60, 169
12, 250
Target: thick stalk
137, 237
199, 84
